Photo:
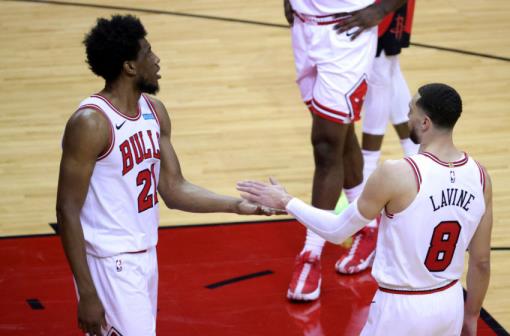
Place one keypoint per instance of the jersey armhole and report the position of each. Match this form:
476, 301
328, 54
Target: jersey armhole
111, 139
482, 175
416, 171
152, 108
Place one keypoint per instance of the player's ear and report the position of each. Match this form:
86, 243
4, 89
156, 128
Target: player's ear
426, 123
129, 68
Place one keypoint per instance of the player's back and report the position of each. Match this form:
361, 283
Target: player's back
422, 247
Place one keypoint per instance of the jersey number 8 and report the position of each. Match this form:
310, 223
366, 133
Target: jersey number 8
442, 246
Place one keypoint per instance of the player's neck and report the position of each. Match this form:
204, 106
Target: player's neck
123, 96
441, 146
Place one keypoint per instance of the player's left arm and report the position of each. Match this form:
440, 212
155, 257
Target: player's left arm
367, 17
479, 264
178, 193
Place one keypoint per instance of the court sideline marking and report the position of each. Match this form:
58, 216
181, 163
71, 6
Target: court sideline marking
252, 22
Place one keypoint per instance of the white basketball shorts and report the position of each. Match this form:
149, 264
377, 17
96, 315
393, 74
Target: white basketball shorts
127, 285
388, 96
440, 313
331, 69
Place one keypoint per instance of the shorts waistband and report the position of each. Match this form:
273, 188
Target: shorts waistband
320, 20
418, 292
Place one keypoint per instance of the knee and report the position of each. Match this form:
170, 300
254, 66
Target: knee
327, 153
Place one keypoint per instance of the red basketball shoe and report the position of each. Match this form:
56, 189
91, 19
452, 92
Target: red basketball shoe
305, 284
362, 252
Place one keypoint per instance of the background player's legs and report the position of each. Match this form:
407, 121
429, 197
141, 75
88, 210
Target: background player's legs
338, 91
400, 110
329, 140
379, 103
353, 261
329, 143
352, 161
377, 111
305, 280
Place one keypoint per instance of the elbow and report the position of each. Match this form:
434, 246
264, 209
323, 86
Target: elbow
169, 202
170, 192
166, 195
484, 266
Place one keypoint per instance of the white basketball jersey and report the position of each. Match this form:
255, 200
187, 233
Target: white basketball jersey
121, 212
328, 7
423, 246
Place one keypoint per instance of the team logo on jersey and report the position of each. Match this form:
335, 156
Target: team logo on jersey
118, 264
113, 332
137, 148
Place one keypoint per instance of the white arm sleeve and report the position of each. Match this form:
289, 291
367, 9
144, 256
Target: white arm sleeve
333, 228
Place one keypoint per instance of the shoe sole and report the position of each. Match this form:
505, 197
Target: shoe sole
358, 268
305, 297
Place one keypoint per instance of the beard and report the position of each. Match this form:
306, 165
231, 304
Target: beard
146, 86
414, 136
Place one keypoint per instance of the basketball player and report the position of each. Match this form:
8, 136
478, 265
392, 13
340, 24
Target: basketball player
331, 69
387, 98
436, 205
116, 156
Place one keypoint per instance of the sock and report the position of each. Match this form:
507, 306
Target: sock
354, 192
370, 159
409, 147
313, 243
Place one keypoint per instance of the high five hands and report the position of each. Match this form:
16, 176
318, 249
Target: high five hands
271, 195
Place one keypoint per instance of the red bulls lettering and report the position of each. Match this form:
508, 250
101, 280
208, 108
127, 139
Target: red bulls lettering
134, 150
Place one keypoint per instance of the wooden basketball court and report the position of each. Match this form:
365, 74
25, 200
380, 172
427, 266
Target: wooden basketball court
228, 84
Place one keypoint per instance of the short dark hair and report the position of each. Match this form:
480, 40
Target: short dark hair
112, 42
441, 103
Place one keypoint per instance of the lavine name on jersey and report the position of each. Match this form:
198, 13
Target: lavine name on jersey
452, 197
136, 149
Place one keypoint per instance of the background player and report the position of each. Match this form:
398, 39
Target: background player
116, 155
387, 98
331, 69
437, 205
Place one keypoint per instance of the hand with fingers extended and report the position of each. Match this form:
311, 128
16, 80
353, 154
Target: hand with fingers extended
271, 195
247, 207
91, 315
362, 19
289, 12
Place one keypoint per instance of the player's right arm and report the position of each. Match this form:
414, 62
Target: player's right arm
86, 136
478, 275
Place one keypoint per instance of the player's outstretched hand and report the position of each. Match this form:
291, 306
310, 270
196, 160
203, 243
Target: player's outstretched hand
246, 207
271, 195
91, 315
362, 19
